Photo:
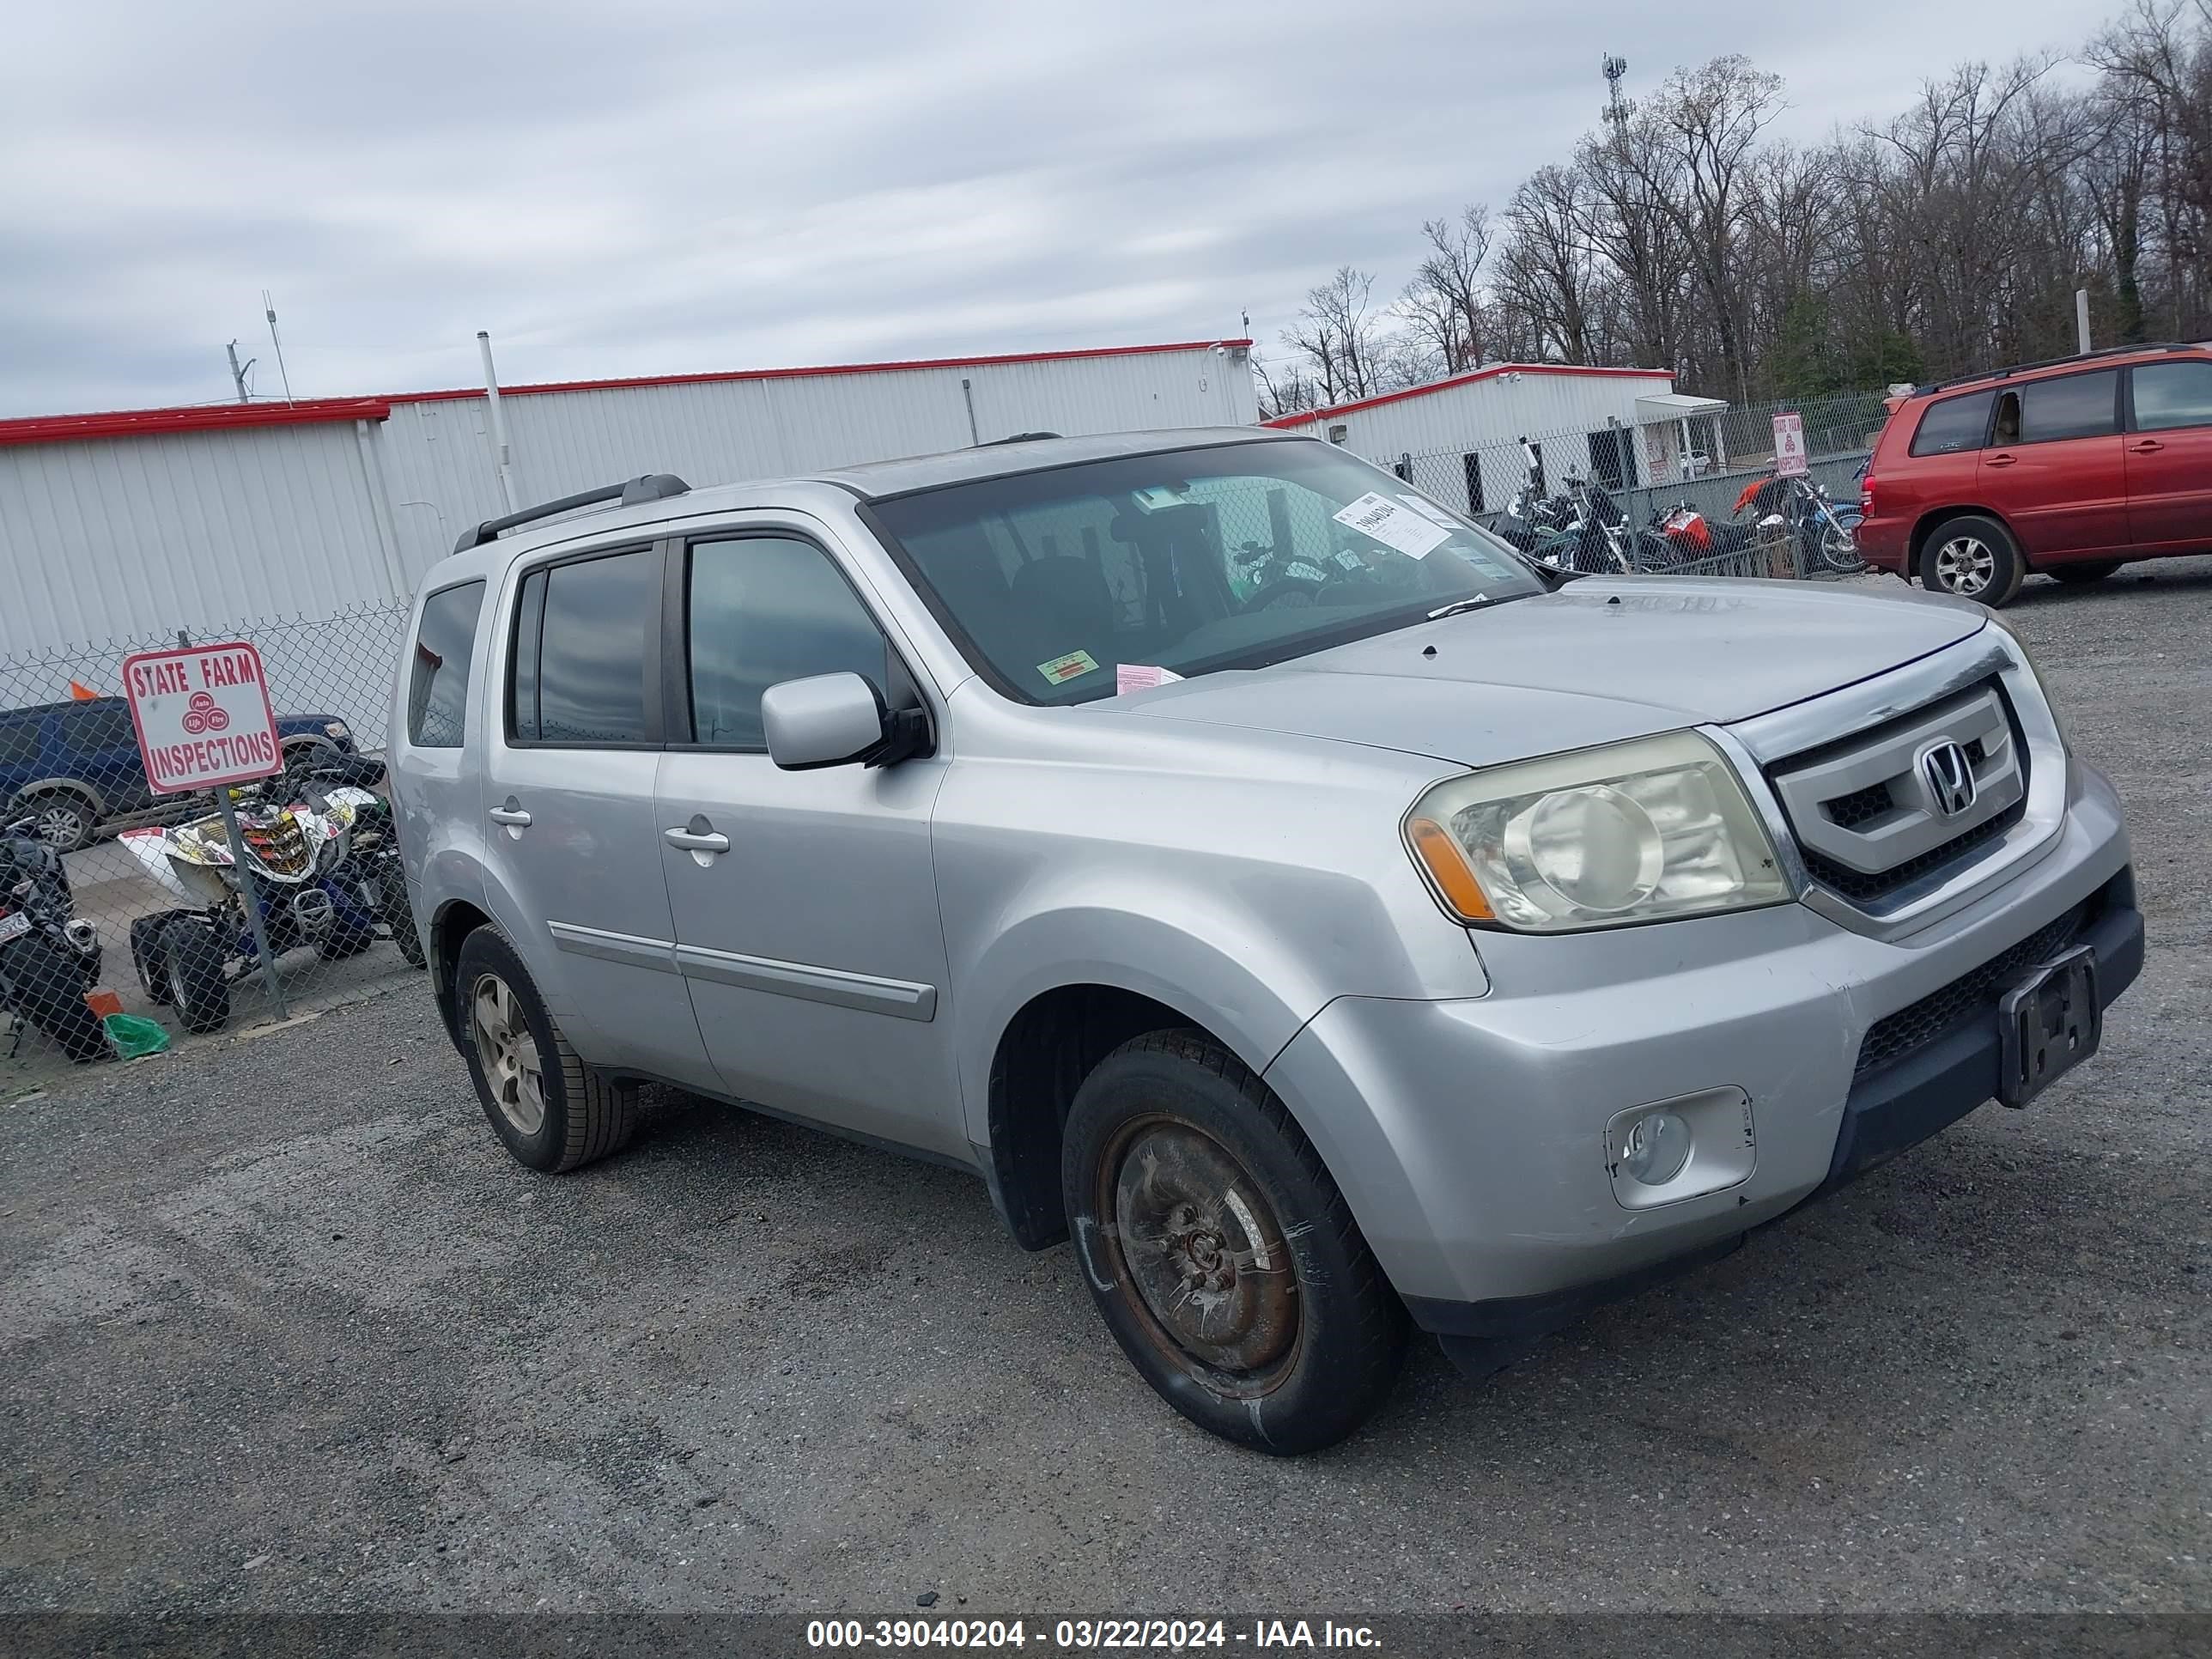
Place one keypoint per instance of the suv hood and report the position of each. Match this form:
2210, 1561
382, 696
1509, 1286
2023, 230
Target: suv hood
1599, 661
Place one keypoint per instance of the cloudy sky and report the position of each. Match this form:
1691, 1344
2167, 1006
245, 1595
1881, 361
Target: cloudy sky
669, 186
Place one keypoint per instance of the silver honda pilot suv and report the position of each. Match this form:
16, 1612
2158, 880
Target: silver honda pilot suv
1257, 873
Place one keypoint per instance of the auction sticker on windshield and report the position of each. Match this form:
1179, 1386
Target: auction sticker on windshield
1395, 524
1060, 669
202, 716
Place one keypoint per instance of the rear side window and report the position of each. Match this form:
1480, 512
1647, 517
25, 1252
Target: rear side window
763, 610
1953, 425
578, 673
101, 725
2070, 406
2169, 395
438, 689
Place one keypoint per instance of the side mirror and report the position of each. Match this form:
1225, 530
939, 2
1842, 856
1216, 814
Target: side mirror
836, 720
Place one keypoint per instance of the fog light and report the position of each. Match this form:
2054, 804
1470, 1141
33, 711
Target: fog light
1657, 1147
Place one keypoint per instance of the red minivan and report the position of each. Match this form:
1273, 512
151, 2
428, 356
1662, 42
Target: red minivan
2071, 468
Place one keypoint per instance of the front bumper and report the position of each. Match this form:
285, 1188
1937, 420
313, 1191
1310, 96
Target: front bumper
1469, 1136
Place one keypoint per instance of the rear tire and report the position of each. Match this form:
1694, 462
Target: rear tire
1974, 557
549, 1110
49, 983
399, 916
66, 822
2081, 576
191, 967
146, 953
1250, 1300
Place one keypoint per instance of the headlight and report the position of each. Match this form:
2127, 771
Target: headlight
2023, 659
1641, 831
337, 729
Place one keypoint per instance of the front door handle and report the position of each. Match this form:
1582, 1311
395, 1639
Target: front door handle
1999, 460
511, 815
700, 839
2147, 447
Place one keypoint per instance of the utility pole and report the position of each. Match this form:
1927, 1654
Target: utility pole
503, 457
2081, 319
238, 374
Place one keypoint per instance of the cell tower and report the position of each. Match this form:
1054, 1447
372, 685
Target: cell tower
1616, 107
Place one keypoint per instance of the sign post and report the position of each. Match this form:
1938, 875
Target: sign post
204, 721
1789, 446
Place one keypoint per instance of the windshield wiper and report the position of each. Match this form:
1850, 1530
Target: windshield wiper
1457, 607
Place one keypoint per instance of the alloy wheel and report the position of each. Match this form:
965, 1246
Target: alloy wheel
1191, 1231
1966, 566
508, 1053
61, 822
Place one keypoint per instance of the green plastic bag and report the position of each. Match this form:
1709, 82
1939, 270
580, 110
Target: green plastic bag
133, 1039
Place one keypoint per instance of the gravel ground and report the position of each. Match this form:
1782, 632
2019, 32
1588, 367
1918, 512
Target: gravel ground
283, 1328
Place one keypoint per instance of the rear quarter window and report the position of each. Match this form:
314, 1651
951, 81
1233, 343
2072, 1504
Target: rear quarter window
19, 743
438, 683
1952, 424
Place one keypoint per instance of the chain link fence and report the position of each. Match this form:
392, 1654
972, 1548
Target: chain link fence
114, 900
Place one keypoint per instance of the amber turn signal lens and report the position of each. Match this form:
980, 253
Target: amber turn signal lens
1447, 867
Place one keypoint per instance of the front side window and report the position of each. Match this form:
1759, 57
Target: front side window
1953, 425
584, 682
438, 683
762, 610
2170, 395
2070, 406
1192, 560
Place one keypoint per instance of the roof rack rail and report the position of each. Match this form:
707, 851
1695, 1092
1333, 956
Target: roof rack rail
2059, 362
652, 487
1018, 438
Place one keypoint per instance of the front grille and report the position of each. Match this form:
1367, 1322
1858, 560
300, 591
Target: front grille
1862, 889
1912, 1028
1864, 815
1860, 806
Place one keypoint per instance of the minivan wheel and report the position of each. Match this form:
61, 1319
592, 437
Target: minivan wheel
550, 1110
1973, 557
1219, 1251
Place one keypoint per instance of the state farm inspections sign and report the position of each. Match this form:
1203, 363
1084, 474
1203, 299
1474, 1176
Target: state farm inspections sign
202, 716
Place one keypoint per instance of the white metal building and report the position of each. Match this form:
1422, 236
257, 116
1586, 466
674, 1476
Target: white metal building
1628, 426
135, 524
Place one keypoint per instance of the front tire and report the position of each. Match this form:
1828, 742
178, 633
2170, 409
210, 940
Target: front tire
552, 1111
1974, 557
49, 985
1220, 1254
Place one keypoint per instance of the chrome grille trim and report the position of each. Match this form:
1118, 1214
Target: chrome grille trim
1927, 899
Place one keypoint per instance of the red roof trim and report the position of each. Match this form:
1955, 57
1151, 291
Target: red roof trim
208, 417
529, 389
1305, 416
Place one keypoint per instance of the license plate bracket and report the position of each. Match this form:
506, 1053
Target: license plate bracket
2049, 1023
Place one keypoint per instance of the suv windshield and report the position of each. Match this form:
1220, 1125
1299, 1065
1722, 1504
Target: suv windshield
1194, 560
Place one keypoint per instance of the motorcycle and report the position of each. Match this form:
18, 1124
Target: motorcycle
1609, 538
49, 957
326, 872
1824, 532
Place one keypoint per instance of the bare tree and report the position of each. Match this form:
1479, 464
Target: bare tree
1444, 306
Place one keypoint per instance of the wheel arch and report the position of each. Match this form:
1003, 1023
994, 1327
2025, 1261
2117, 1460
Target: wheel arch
1043, 1054
455, 920
1926, 526
77, 787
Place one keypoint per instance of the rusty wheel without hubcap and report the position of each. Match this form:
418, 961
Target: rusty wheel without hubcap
1190, 1230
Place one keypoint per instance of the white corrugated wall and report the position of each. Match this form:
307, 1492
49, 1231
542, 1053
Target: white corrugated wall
116, 539
136, 536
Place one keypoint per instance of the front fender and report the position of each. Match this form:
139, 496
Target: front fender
1225, 971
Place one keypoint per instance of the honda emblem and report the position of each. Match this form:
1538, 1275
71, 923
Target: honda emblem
1949, 776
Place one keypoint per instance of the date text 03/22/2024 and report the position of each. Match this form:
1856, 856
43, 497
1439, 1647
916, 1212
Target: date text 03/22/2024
1081, 1635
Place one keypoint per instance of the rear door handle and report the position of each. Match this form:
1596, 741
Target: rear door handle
2147, 447
511, 815
1999, 460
